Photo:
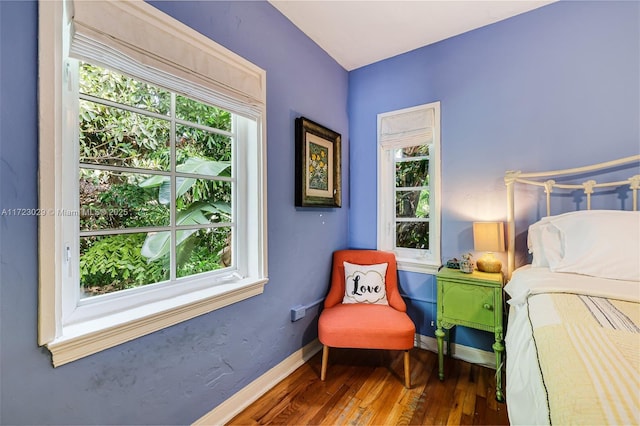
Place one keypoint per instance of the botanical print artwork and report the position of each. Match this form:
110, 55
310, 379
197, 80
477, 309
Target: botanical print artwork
318, 167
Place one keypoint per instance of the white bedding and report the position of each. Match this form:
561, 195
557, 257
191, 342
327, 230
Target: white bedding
530, 289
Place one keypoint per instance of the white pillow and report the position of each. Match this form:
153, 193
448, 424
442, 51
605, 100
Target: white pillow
365, 283
545, 244
600, 243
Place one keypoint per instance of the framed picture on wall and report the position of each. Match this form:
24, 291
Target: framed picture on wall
318, 165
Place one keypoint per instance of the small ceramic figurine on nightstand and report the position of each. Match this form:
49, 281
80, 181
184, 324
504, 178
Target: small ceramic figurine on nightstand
466, 264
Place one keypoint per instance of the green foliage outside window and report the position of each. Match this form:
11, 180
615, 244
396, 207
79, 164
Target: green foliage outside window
138, 139
412, 197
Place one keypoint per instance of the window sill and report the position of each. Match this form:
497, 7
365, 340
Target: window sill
86, 338
413, 265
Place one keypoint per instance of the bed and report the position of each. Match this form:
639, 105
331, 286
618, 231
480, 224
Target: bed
573, 332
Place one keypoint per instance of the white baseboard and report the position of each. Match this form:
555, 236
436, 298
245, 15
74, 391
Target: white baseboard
462, 352
254, 390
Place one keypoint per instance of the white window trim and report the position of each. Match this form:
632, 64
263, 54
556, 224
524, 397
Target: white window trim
69, 339
409, 129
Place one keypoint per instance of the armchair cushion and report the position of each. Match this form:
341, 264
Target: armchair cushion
366, 326
365, 283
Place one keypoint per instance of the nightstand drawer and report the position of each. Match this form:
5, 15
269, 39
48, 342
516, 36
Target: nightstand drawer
470, 305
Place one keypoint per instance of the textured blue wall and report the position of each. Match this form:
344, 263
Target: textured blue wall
553, 88
559, 83
176, 375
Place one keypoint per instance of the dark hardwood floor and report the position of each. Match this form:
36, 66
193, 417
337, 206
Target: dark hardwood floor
365, 387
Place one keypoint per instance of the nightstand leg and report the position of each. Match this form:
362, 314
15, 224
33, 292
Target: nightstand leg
498, 348
447, 335
440, 338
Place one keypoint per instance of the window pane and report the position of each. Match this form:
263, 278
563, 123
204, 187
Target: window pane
116, 137
206, 115
115, 200
202, 152
412, 151
413, 235
112, 86
111, 263
119, 200
412, 204
202, 201
412, 173
203, 250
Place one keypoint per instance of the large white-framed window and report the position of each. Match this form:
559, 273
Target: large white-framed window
409, 186
152, 185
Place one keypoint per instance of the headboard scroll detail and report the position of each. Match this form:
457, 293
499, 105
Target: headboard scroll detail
543, 179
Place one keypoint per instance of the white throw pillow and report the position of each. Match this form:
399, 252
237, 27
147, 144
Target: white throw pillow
600, 243
365, 283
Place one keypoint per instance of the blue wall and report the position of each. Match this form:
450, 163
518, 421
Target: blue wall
176, 375
553, 88
559, 83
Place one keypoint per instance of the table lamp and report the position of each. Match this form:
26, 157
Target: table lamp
489, 238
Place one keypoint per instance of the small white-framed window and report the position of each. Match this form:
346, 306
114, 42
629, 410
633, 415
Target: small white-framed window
409, 186
152, 175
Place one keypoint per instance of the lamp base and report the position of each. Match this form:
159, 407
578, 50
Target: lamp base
489, 263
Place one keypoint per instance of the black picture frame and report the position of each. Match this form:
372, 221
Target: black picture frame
318, 165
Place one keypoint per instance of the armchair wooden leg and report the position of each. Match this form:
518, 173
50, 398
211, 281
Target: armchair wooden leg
325, 359
407, 371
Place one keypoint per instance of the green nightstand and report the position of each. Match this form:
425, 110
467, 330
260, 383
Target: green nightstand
472, 300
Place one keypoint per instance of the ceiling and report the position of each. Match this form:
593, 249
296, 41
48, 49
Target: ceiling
360, 32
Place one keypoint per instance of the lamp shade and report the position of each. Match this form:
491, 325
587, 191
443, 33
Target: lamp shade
488, 236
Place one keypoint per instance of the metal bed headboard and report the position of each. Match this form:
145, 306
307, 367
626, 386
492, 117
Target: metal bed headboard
543, 179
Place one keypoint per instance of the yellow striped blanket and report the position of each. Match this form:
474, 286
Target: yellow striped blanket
589, 356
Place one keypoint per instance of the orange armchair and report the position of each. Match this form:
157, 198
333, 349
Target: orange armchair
365, 325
